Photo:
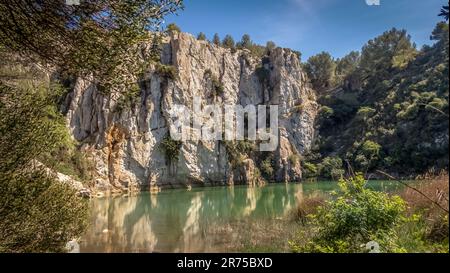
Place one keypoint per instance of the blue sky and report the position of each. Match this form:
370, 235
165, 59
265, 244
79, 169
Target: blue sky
310, 26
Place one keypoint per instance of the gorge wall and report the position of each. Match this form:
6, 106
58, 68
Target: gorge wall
125, 145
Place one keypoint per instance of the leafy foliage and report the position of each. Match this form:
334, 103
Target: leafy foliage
216, 84
167, 71
309, 170
201, 36
39, 213
267, 167
270, 45
255, 50
331, 168
228, 42
321, 70
129, 98
394, 96
239, 150
172, 27
444, 12
171, 149
101, 38
216, 40
355, 217
346, 66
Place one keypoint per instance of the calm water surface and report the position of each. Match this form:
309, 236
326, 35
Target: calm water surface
183, 221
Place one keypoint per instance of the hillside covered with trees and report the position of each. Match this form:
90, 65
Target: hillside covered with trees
385, 107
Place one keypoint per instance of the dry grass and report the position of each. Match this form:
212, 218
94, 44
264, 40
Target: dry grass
436, 188
433, 211
253, 236
268, 235
307, 206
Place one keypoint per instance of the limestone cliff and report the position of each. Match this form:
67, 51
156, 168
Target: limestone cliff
126, 144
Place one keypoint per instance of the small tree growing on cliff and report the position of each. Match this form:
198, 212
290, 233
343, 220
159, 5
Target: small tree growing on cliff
216, 39
228, 42
246, 42
321, 70
201, 36
171, 149
172, 27
270, 45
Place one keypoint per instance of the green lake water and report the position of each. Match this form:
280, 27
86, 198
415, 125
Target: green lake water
192, 221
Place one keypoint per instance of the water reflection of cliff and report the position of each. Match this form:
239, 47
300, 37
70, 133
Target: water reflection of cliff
182, 221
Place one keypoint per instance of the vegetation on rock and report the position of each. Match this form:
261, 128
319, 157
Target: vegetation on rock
171, 149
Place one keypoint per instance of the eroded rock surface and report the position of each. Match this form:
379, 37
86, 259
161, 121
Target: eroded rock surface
126, 144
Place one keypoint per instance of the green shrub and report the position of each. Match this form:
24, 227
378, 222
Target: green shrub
69, 160
294, 158
267, 167
171, 149
365, 112
326, 112
355, 217
201, 36
270, 45
167, 71
228, 42
37, 212
331, 168
436, 103
370, 148
128, 99
362, 163
246, 146
368, 155
237, 151
410, 112
172, 27
263, 75
217, 85
309, 170
216, 40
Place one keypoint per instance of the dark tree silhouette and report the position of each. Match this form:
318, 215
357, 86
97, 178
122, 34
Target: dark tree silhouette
444, 12
93, 37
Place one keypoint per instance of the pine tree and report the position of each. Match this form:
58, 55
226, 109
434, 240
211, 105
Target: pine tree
216, 40
201, 36
246, 41
173, 28
228, 42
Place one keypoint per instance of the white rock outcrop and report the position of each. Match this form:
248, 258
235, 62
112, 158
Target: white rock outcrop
125, 145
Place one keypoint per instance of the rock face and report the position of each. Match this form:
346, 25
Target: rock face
126, 144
